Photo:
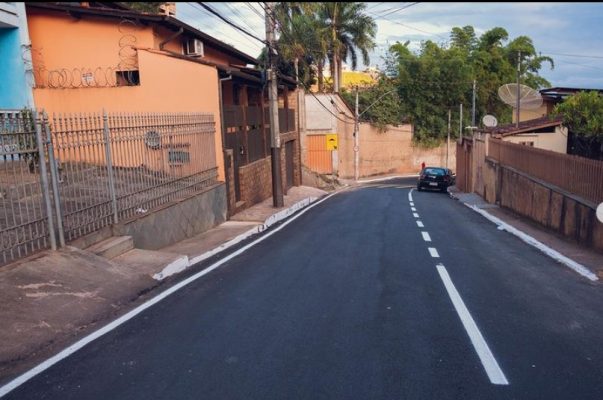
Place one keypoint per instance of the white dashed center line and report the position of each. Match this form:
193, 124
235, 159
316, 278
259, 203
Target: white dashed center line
493, 370
495, 374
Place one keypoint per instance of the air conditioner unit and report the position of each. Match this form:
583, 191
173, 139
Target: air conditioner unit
194, 47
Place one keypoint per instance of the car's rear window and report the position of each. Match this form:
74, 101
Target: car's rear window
435, 171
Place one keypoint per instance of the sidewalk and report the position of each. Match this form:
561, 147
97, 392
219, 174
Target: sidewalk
584, 256
51, 299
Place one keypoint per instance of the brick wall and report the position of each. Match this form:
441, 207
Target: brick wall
256, 178
256, 181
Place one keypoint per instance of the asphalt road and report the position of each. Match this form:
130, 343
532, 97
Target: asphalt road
348, 302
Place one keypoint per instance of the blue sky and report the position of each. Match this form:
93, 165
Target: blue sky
570, 33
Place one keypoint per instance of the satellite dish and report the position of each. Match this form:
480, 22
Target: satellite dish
489, 121
529, 98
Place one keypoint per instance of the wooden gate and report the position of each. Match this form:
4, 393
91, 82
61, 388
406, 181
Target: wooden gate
319, 159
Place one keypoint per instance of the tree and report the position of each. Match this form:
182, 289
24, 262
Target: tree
299, 42
439, 77
583, 115
348, 31
385, 107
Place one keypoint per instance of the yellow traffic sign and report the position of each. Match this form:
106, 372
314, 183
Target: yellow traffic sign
331, 141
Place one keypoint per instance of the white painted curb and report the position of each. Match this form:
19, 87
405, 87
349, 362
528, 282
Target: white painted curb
181, 264
554, 254
387, 178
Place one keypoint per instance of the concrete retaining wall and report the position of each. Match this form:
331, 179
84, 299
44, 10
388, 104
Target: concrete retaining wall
389, 152
178, 220
543, 203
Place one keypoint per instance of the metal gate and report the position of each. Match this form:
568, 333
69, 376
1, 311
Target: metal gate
319, 159
24, 197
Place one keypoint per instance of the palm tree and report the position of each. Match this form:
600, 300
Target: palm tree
297, 36
349, 30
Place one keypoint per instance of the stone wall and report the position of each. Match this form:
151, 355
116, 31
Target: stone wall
178, 220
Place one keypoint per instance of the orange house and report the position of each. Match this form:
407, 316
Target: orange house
102, 56
89, 59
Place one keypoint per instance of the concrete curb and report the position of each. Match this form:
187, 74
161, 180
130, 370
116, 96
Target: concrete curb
182, 264
387, 178
554, 254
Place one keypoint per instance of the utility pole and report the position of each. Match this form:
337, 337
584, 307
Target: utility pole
473, 108
448, 139
517, 105
356, 139
275, 139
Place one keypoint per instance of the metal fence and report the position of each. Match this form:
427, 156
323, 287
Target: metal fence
580, 176
103, 169
24, 214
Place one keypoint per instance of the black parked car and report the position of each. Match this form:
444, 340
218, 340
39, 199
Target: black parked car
435, 178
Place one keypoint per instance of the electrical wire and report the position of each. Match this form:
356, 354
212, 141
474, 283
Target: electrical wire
398, 9
408, 26
275, 20
571, 55
242, 18
217, 14
209, 27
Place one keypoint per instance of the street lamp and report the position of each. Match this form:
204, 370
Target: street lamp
357, 131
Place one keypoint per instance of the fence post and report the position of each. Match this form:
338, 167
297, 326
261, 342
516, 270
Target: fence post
54, 179
109, 165
44, 180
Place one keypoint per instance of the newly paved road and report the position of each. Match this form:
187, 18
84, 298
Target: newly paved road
348, 302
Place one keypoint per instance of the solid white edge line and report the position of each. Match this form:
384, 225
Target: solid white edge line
415, 215
21, 379
420, 224
426, 236
495, 373
554, 254
410, 194
434, 252
273, 219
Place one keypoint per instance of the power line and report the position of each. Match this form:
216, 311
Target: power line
241, 18
231, 37
217, 14
398, 9
571, 55
409, 27
252, 8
